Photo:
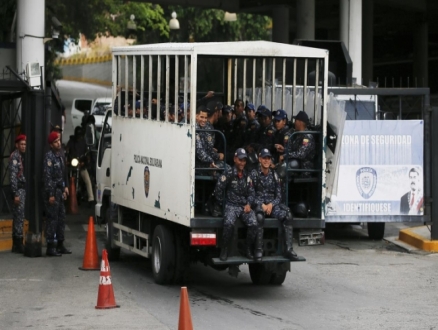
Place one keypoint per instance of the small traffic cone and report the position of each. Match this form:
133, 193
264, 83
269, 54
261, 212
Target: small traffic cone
91, 257
72, 202
105, 297
185, 318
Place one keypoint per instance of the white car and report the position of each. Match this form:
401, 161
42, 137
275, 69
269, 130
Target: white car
97, 108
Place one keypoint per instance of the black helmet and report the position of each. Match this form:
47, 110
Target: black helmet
300, 210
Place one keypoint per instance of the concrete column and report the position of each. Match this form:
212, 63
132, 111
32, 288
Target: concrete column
280, 28
421, 53
351, 33
306, 19
367, 41
30, 32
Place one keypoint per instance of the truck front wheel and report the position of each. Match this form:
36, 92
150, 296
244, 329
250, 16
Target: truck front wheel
113, 250
163, 255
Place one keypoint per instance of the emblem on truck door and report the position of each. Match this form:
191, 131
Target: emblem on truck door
146, 180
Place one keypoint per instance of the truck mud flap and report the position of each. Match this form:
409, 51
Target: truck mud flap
242, 260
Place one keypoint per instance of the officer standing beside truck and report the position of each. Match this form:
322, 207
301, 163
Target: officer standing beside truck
55, 192
18, 185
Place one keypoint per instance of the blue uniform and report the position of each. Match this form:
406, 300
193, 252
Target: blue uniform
238, 193
55, 182
18, 183
303, 148
265, 138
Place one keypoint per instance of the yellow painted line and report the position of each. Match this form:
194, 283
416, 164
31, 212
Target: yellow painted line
420, 242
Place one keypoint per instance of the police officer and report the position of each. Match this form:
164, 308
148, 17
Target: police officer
267, 201
225, 125
266, 132
206, 155
239, 125
303, 147
253, 125
280, 123
55, 192
18, 182
239, 195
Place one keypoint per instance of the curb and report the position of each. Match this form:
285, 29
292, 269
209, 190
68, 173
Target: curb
83, 60
409, 236
6, 233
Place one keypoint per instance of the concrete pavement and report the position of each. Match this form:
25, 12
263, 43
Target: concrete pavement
52, 293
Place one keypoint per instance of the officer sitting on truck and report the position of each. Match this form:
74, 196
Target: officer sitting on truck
267, 201
237, 187
302, 148
206, 155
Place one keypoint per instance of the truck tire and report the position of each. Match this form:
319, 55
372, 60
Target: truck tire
376, 230
259, 274
112, 250
182, 260
279, 275
163, 255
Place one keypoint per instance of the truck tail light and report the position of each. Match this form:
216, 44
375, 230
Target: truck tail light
202, 239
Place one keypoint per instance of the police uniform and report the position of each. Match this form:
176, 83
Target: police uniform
251, 131
238, 192
302, 148
238, 131
265, 137
268, 190
18, 183
205, 155
55, 182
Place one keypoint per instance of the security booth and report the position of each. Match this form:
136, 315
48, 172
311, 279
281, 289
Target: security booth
147, 166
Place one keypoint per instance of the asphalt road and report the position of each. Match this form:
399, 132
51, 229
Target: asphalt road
70, 90
350, 282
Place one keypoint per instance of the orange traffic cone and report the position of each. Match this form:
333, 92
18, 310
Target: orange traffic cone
105, 297
72, 202
91, 257
185, 318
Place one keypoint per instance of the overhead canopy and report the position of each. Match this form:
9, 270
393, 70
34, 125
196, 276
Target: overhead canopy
235, 48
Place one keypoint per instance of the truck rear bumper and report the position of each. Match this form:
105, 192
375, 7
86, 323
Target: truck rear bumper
242, 260
217, 222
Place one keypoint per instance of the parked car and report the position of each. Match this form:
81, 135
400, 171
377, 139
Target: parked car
97, 108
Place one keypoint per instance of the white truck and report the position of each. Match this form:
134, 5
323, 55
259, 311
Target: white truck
146, 164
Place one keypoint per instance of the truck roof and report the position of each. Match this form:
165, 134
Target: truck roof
234, 48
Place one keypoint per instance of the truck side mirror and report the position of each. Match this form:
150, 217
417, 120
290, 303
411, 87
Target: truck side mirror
90, 135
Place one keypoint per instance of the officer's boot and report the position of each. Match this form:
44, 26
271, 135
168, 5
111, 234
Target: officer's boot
250, 237
226, 238
258, 252
288, 237
51, 250
60, 248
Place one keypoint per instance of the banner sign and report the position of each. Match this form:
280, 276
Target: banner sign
380, 170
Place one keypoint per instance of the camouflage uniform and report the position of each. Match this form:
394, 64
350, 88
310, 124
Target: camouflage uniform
251, 132
265, 138
205, 155
238, 193
55, 182
238, 132
302, 148
268, 190
18, 182
279, 139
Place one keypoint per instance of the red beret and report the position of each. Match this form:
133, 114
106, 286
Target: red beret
20, 137
52, 137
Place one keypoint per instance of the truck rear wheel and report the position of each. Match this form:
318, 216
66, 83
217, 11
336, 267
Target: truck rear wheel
112, 250
163, 255
279, 275
376, 230
259, 274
